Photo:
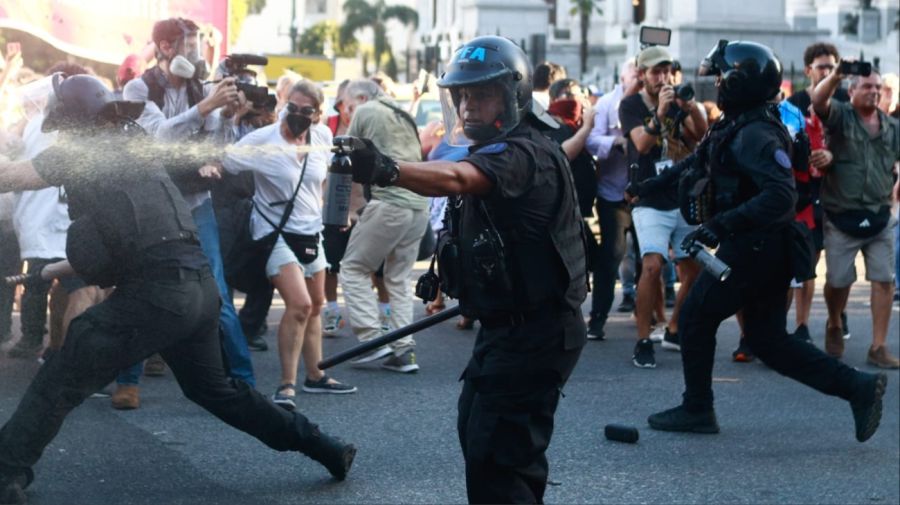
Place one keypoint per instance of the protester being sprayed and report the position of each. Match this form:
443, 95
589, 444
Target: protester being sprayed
132, 229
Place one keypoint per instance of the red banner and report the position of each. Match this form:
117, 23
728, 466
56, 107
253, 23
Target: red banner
109, 30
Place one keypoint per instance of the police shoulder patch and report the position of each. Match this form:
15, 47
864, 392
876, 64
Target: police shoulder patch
496, 148
782, 158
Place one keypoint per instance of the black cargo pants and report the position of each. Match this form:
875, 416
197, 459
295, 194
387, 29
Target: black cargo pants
176, 314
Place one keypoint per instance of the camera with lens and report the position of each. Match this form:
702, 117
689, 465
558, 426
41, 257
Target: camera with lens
235, 65
684, 91
863, 68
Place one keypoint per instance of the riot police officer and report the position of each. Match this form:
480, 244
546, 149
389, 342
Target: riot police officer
132, 229
738, 185
515, 230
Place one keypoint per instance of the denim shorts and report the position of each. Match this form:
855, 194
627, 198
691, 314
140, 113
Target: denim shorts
658, 229
283, 255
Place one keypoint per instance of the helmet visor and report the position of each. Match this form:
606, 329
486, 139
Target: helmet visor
453, 131
479, 112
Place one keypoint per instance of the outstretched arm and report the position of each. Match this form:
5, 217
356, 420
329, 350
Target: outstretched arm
19, 176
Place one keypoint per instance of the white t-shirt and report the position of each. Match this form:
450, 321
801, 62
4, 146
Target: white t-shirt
276, 168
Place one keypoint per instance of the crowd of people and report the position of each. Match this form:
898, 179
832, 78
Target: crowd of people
250, 177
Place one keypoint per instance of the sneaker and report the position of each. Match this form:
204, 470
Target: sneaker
154, 366
743, 354
627, 304
332, 322
670, 298
595, 330
671, 341
656, 336
405, 363
844, 326
882, 358
256, 343
643, 354
284, 400
802, 333
680, 419
126, 397
13, 482
372, 355
46, 355
867, 410
386, 320
834, 341
23, 350
323, 386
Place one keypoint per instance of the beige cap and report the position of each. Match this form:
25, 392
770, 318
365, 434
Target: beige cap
653, 56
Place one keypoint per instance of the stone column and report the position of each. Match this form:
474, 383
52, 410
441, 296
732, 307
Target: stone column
801, 13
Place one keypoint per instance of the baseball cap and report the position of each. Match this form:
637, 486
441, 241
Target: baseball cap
653, 56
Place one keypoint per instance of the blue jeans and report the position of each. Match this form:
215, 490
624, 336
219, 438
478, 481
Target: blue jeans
234, 344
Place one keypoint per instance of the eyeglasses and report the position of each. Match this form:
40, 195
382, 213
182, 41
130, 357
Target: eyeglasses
306, 110
824, 66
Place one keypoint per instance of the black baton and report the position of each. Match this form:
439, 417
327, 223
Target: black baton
389, 337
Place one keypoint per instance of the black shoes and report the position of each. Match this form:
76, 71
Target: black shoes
671, 341
802, 333
867, 409
13, 482
670, 298
679, 419
627, 304
644, 357
255, 341
743, 354
595, 330
845, 327
332, 453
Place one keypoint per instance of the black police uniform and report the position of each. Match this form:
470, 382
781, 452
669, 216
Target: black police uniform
132, 229
528, 304
757, 244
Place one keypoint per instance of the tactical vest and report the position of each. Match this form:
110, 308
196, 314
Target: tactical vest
112, 227
156, 83
711, 185
527, 274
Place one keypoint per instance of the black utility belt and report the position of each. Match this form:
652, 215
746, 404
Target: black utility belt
506, 319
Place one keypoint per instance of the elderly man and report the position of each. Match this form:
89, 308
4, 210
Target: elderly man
856, 195
388, 231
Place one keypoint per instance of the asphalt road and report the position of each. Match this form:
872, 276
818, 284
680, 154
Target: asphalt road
780, 442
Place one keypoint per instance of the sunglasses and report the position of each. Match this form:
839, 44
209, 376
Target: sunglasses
307, 110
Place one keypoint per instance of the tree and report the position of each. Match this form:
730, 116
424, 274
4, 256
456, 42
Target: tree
583, 9
361, 15
312, 40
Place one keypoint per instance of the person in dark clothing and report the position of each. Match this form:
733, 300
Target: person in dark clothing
516, 214
819, 60
132, 229
747, 210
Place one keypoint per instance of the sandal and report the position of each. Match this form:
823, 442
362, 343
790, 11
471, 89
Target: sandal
284, 401
465, 323
433, 308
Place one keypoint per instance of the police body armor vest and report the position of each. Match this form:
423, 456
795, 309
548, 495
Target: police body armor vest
530, 275
111, 228
711, 185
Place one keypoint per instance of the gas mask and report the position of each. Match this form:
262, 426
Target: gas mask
298, 118
187, 63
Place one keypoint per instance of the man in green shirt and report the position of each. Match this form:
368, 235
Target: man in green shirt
389, 229
856, 195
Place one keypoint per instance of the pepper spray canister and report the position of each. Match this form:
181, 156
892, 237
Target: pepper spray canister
337, 191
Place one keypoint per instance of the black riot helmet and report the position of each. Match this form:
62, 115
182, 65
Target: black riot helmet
481, 61
750, 74
83, 103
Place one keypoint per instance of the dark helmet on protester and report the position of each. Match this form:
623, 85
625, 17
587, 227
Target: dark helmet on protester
83, 102
486, 60
750, 74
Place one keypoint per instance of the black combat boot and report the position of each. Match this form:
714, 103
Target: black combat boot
331, 452
867, 406
681, 419
13, 481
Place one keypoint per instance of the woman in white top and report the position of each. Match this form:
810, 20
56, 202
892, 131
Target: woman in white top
271, 154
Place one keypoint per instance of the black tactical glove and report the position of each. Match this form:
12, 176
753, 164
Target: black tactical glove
369, 165
707, 234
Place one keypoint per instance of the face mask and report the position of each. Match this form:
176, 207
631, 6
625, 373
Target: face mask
181, 67
568, 110
297, 124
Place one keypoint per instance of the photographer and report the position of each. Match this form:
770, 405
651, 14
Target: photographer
281, 174
856, 195
132, 229
514, 214
738, 184
182, 112
662, 127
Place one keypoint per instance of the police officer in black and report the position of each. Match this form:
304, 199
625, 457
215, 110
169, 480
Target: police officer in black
132, 229
514, 258
738, 185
